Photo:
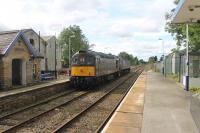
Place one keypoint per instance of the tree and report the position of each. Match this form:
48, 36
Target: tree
161, 58
135, 61
141, 62
129, 57
155, 58
178, 31
79, 42
152, 59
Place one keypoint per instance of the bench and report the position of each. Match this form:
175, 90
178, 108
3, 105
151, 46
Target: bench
47, 76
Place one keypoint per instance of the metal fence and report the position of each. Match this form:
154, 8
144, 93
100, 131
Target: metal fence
177, 65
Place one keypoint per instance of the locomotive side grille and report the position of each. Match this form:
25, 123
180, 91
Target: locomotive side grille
85, 71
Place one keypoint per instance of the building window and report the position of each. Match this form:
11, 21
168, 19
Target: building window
32, 42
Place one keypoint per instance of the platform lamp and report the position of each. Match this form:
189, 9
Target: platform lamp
163, 69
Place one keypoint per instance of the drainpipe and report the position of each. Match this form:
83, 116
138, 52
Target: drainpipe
39, 41
55, 60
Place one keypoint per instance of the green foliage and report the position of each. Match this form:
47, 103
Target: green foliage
195, 91
141, 62
178, 31
161, 58
152, 59
174, 77
175, 50
129, 57
79, 42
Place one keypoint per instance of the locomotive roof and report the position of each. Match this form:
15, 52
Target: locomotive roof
102, 55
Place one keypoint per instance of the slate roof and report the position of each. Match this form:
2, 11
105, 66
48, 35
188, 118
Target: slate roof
6, 39
9, 38
27, 30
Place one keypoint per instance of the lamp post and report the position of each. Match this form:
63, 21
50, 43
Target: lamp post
72, 36
187, 58
163, 69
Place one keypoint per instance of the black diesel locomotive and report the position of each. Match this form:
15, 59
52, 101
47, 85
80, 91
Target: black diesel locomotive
90, 68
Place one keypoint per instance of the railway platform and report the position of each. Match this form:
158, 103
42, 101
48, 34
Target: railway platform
154, 104
128, 116
30, 88
13, 100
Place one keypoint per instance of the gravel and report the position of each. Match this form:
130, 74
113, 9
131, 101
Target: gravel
32, 112
53, 119
90, 121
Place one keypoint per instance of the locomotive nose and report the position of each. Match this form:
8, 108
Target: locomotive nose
83, 71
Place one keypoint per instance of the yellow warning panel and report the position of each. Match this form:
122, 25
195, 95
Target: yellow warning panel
83, 71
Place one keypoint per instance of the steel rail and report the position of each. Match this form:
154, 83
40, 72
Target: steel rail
36, 104
68, 122
39, 115
48, 100
100, 128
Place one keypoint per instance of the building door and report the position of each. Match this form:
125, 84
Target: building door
16, 72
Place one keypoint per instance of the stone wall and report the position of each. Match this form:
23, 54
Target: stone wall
19, 51
42, 50
29, 72
38, 69
7, 74
1, 73
14, 102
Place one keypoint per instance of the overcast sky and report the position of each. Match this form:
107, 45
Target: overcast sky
133, 26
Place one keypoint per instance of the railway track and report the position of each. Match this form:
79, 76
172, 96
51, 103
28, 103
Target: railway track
14, 120
58, 113
83, 118
139, 70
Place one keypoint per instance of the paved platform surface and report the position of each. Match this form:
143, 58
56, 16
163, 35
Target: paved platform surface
128, 116
166, 108
155, 104
30, 88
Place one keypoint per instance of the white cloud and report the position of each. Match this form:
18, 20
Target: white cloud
113, 25
141, 49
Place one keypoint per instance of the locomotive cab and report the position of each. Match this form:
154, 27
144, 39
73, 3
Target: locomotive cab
83, 70
83, 65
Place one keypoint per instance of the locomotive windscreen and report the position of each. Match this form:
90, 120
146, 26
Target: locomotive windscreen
83, 60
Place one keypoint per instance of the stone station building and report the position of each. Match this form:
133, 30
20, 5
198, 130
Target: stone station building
19, 62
